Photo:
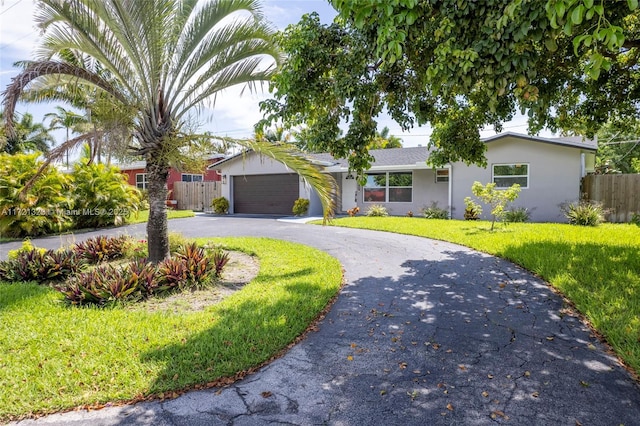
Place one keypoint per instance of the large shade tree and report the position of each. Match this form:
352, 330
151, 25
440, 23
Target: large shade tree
165, 59
458, 66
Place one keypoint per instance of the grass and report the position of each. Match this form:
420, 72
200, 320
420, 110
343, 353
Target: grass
55, 357
143, 215
597, 268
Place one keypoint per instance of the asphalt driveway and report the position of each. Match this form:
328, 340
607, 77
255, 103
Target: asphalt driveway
424, 333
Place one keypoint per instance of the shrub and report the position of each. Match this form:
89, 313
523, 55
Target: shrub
220, 205
26, 246
145, 273
200, 268
102, 248
584, 213
43, 208
635, 219
220, 260
515, 215
104, 284
435, 212
472, 210
172, 275
41, 266
300, 207
103, 197
377, 210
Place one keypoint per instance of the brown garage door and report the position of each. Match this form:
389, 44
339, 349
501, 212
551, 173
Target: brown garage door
265, 194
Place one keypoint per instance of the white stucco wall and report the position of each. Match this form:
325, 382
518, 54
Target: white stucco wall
554, 177
425, 192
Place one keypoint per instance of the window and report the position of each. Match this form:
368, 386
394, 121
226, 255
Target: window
442, 175
505, 175
141, 180
388, 188
189, 177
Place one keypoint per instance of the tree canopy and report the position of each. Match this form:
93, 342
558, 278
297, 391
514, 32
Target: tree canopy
459, 66
162, 61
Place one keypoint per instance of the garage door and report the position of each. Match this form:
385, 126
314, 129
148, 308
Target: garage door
265, 194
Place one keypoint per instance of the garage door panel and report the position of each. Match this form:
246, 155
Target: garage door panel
265, 194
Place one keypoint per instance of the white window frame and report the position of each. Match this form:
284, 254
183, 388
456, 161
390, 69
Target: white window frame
143, 184
442, 175
387, 187
494, 176
182, 176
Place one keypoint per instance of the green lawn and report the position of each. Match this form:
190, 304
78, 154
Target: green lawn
597, 268
143, 215
55, 357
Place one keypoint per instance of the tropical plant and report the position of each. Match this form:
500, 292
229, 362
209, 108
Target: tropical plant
435, 212
584, 213
102, 196
220, 205
515, 215
384, 140
300, 207
496, 198
43, 208
377, 210
29, 136
103, 248
160, 59
472, 210
65, 119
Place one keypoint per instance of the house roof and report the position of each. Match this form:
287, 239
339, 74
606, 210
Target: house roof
572, 141
416, 157
143, 164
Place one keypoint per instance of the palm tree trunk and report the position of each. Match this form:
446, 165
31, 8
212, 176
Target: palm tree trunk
157, 229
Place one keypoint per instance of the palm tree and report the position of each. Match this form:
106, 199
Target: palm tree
164, 59
29, 136
65, 119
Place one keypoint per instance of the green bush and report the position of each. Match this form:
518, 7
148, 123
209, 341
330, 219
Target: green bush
220, 205
177, 240
517, 215
300, 207
584, 213
377, 210
41, 265
103, 197
435, 212
472, 210
43, 208
635, 219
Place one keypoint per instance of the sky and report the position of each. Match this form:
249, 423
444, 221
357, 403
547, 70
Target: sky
234, 115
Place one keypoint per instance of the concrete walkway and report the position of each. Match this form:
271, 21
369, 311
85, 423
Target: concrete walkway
424, 333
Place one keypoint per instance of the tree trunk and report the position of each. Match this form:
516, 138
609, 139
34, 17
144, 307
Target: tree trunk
157, 229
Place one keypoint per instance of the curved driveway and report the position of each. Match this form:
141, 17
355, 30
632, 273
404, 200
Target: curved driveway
424, 333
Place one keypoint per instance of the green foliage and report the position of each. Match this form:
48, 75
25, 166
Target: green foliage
383, 140
435, 212
517, 215
300, 207
619, 147
584, 213
177, 240
103, 248
497, 199
41, 265
635, 219
377, 210
100, 286
220, 205
26, 246
103, 195
43, 208
472, 210
199, 266
29, 137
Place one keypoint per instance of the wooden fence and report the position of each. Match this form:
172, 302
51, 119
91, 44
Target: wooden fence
195, 196
620, 194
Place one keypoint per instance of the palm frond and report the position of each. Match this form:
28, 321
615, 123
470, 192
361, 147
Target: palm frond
38, 69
